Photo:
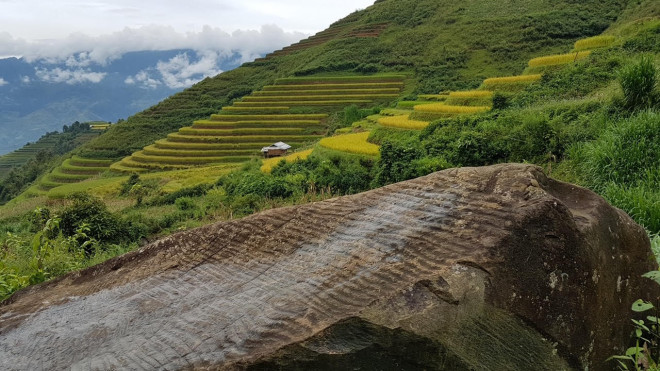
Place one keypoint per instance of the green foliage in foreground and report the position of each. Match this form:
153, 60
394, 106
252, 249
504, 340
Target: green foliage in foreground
48, 253
623, 165
645, 354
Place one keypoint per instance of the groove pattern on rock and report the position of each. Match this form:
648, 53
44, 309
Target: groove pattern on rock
237, 290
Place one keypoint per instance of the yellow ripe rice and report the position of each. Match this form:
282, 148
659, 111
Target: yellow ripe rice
594, 42
351, 143
451, 110
402, 122
508, 80
471, 94
552, 60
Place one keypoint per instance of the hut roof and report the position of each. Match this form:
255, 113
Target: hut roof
278, 145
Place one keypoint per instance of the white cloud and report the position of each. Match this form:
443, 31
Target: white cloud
26, 79
71, 77
180, 71
3, 82
143, 78
80, 51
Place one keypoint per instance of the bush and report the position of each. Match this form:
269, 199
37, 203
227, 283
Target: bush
168, 199
103, 225
126, 186
256, 183
185, 204
500, 101
638, 82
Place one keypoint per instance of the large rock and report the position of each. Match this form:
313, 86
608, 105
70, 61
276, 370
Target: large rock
494, 268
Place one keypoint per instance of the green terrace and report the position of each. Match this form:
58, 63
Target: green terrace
73, 170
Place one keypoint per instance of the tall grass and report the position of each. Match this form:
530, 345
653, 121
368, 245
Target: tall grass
623, 164
639, 82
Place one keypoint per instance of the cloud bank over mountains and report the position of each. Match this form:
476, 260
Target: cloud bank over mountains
80, 58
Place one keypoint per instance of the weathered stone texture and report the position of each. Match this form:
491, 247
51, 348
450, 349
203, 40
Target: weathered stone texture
495, 268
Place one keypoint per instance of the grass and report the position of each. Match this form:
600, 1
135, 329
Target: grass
351, 143
268, 164
58, 175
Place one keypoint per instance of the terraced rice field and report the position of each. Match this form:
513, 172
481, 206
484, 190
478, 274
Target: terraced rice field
351, 143
450, 110
239, 132
73, 170
510, 82
24, 154
224, 139
553, 60
402, 122
595, 42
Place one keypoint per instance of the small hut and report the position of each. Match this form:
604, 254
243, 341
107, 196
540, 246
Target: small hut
277, 149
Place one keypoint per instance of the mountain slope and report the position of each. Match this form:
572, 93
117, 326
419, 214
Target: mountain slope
446, 44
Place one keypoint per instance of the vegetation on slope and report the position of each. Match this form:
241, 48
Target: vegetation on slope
20, 168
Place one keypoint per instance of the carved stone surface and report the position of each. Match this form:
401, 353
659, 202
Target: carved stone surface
494, 268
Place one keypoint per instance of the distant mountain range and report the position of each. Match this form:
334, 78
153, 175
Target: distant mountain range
41, 96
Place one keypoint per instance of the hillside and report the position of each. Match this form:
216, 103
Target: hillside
394, 92
446, 45
23, 166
